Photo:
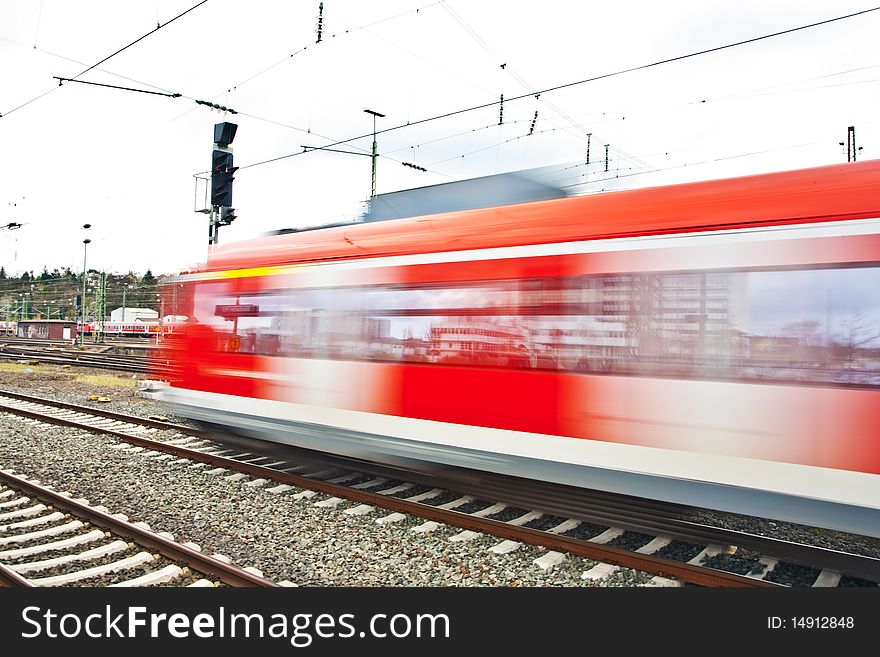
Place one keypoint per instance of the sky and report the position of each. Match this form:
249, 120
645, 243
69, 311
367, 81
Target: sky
126, 162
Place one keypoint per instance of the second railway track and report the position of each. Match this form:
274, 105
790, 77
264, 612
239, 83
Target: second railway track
48, 538
81, 358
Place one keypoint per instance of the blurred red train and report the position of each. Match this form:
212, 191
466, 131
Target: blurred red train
713, 343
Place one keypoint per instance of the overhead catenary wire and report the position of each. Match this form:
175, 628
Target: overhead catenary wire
348, 31
111, 55
603, 76
304, 48
683, 165
498, 60
81, 63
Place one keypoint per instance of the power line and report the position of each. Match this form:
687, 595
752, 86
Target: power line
86, 70
603, 76
76, 61
158, 27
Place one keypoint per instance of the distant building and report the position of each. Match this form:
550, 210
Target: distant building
46, 329
134, 315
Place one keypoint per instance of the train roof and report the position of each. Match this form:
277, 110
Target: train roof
828, 193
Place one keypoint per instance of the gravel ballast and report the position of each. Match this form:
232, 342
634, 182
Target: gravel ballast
285, 538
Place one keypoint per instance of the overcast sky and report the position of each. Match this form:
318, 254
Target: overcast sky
124, 162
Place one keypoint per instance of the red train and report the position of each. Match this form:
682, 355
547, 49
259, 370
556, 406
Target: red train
713, 343
130, 329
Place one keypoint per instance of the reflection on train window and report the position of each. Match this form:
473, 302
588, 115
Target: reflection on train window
816, 325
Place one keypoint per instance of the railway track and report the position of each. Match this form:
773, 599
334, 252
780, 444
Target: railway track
617, 532
49, 539
104, 360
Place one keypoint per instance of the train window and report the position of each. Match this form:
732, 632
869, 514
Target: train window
808, 325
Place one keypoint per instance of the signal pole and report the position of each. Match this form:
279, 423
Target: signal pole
851, 144
375, 114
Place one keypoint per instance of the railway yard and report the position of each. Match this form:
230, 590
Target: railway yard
305, 521
582, 350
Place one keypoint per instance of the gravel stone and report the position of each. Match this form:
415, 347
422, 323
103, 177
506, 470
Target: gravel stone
741, 563
545, 522
509, 513
848, 581
630, 540
585, 530
473, 507
679, 551
792, 574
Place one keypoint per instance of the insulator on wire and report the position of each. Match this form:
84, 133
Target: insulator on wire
501, 111
534, 120
320, 22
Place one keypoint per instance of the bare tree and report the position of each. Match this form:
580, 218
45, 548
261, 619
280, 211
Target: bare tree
856, 335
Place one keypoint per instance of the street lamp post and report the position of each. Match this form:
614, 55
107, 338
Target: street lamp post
161, 303
125, 289
375, 114
82, 305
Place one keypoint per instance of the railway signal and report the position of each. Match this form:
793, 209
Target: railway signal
227, 216
221, 178
222, 175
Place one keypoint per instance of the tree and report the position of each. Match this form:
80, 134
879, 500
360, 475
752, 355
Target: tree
857, 334
2, 273
25, 276
148, 278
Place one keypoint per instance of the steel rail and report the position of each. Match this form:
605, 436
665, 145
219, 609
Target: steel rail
10, 579
203, 563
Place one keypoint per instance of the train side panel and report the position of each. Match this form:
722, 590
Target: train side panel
737, 369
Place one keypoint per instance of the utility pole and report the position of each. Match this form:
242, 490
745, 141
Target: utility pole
375, 114
102, 305
124, 290
851, 144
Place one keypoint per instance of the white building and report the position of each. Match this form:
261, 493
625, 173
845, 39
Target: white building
134, 315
